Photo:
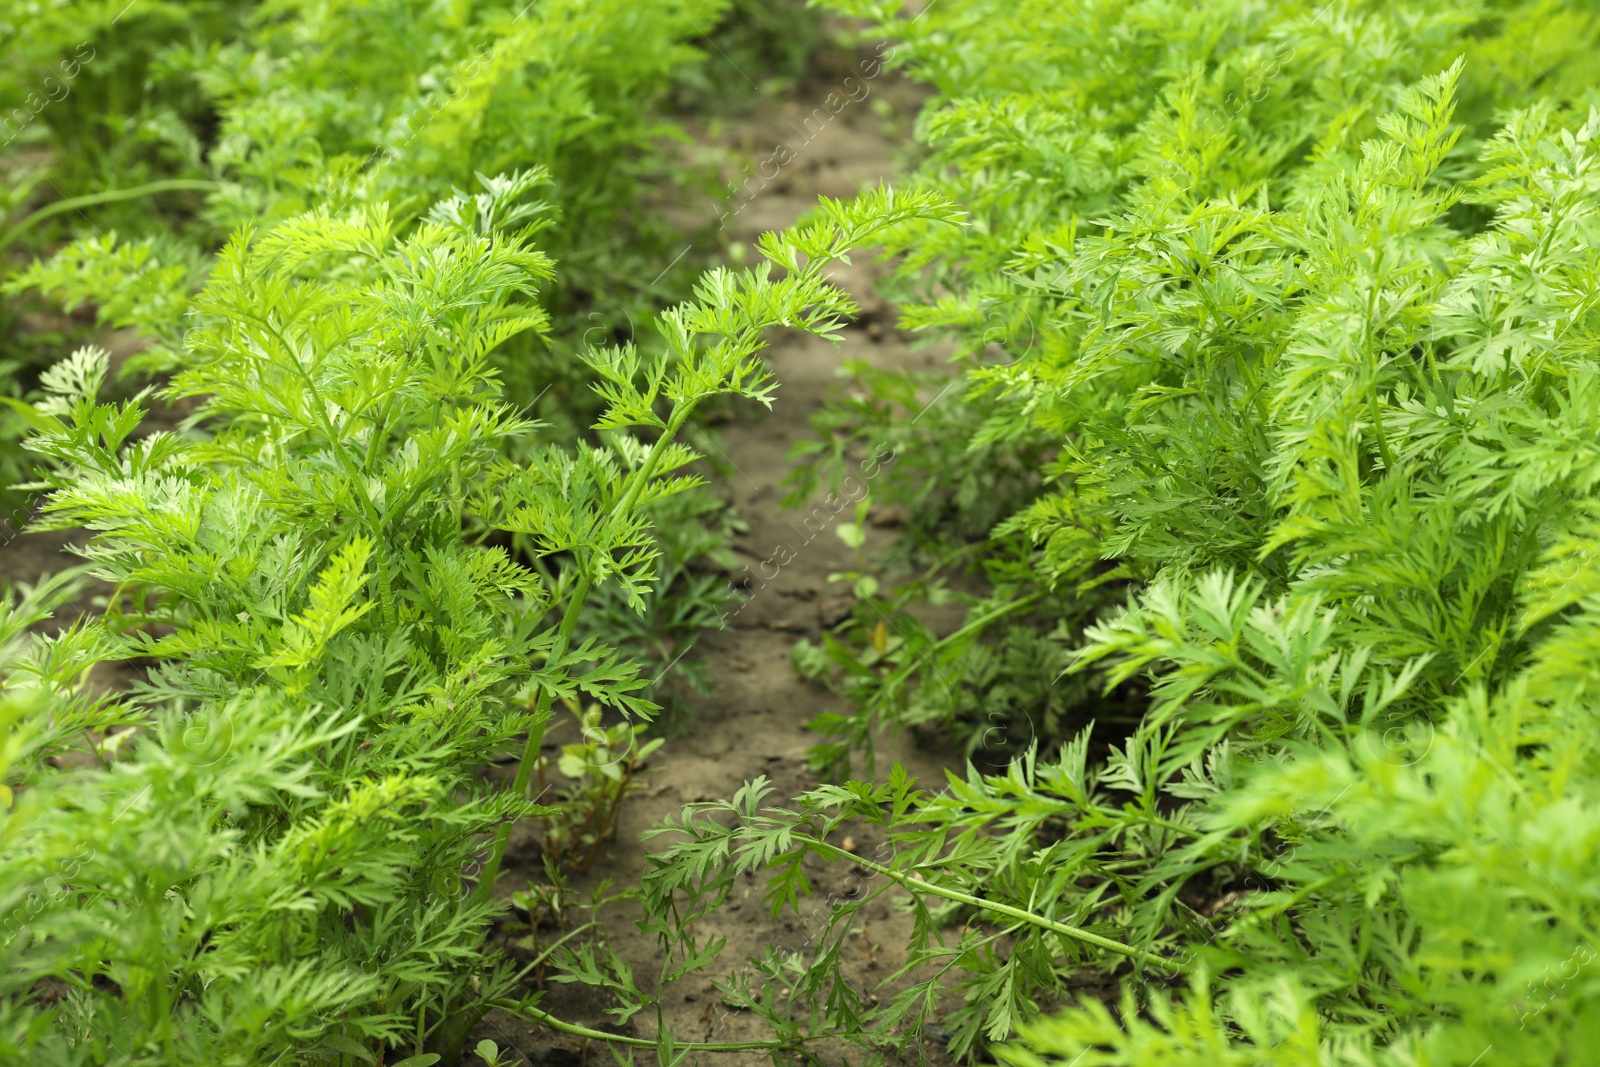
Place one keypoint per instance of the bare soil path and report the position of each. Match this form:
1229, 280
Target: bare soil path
753, 723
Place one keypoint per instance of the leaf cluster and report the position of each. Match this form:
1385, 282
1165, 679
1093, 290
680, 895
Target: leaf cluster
1302, 299
278, 847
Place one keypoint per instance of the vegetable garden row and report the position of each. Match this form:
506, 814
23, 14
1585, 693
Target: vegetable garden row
370, 356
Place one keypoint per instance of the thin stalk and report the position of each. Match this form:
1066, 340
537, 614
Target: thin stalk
546, 1019
1372, 360
110, 196
1077, 933
608, 824
557, 943
984, 620
971, 626
904, 673
909, 884
530, 749
1377, 427
558, 648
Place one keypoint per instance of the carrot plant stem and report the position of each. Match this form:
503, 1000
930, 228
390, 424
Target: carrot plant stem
530, 749
546, 1019
637, 481
110, 196
1075, 932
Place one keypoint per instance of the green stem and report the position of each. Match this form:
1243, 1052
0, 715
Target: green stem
904, 673
1372, 360
575, 1030
984, 620
558, 648
530, 748
1077, 933
557, 943
910, 884
110, 196
972, 626
608, 824
1377, 427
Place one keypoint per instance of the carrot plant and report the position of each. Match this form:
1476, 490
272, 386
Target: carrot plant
138, 135
402, 101
276, 842
277, 848
1297, 303
290, 107
1104, 122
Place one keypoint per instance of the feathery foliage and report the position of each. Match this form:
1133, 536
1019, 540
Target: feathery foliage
275, 854
277, 109
1298, 303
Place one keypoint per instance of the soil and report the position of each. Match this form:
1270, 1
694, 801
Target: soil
753, 722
